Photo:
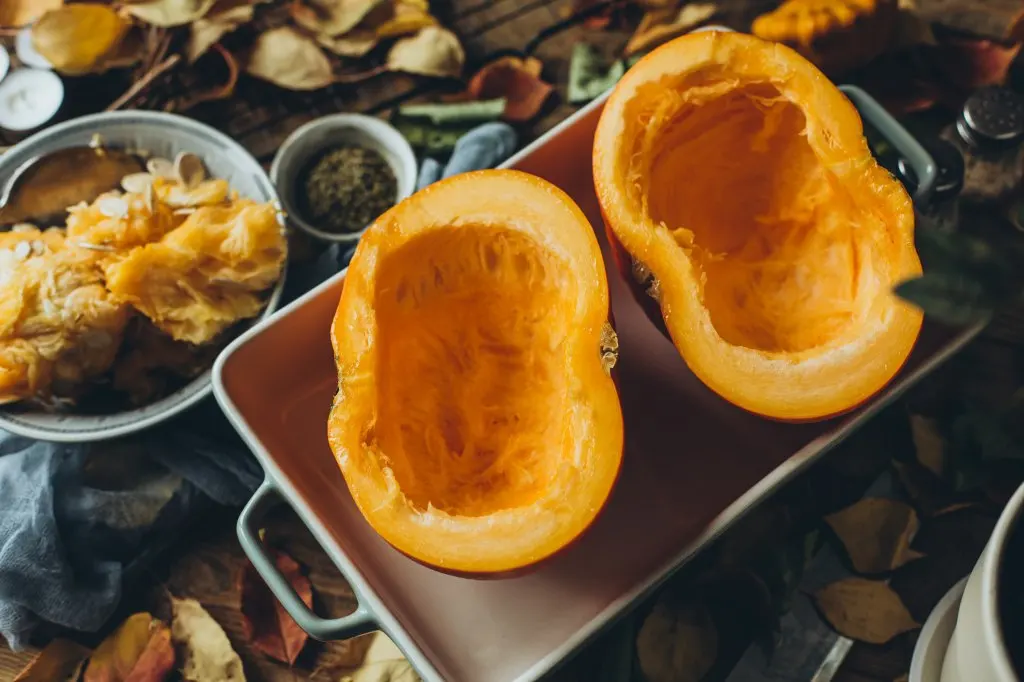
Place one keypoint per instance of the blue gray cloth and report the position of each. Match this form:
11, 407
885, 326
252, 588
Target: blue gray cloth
485, 146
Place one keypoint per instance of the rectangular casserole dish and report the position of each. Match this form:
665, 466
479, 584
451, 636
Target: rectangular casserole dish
693, 465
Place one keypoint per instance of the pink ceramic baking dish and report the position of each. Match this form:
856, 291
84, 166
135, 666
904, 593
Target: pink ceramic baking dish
693, 465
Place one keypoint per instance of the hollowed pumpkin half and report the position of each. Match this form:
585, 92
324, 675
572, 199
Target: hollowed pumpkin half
736, 184
476, 422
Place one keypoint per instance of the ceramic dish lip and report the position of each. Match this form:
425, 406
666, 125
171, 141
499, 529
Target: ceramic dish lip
90, 428
381, 134
935, 636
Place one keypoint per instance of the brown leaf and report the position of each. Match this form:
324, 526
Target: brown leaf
205, 651
678, 642
58, 661
661, 25
864, 610
356, 43
876, 534
225, 17
18, 13
950, 509
434, 51
77, 38
138, 651
222, 91
168, 13
265, 622
972, 64
288, 59
331, 17
515, 80
929, 444
407, 16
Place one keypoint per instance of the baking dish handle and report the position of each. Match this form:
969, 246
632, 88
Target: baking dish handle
896, 135
249, 521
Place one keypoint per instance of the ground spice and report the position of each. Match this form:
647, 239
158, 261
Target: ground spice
347, 188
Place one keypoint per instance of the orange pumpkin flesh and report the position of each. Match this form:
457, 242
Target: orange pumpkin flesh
476, 423
736, 178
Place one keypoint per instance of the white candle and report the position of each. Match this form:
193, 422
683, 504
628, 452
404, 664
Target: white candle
29, 98
26, 51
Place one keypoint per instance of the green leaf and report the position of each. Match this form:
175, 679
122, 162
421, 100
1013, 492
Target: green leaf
429, 138
448, 113
589, 76
954, 299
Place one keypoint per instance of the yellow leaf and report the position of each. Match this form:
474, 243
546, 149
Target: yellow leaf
408, 17
168, 13
434, 51
677, 642
77, 38
355, 43
876, 534
223, 18
864, 610
384, 662
661, 25
137, 650
288, 59
16, 13
207, 655
331, 17
928, 443
55, 663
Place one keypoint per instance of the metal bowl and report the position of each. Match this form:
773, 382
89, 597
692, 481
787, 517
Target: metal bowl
163, 135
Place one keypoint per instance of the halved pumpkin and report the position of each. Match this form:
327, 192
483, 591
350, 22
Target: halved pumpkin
476, 422
736, 184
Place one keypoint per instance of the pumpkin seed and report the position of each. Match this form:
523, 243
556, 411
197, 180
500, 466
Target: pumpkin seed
23, 227
22, 250
113, 207
38, 248
160, 168
136, 182
189, 169
94, 247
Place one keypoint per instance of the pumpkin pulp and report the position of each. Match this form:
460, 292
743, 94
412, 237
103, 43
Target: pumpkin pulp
476, 424
737, 178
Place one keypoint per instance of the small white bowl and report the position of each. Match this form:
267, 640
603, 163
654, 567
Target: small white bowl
303, 145
5, 62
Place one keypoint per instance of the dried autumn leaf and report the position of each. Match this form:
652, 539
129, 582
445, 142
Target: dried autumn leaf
205, 651
971, 64
140, 650
288, 59
331, 17
406, 17
384, 662
864, 610
876, 534
661, 25
678, 642
265, 622
18, 13
929, 444
356, 43
434, 51
516, 81
221, 91
57, 661
169, 13
76, 38
223, 18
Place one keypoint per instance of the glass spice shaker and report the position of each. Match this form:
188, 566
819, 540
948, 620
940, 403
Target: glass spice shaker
942, 210
988, 133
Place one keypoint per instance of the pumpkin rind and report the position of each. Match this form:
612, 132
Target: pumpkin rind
736, 176
476, 423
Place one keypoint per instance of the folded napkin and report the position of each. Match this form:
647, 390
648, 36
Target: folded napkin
485, 146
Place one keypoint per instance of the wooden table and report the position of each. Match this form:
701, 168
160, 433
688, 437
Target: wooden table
207, 564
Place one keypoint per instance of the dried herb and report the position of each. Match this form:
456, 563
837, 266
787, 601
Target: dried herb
347, 188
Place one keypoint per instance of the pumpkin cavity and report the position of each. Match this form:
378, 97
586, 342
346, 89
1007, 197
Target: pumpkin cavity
784, 256
472, 384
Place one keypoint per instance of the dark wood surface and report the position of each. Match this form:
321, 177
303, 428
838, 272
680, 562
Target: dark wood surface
206, 566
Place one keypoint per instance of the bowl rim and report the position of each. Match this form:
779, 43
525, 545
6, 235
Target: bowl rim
373, 127
201, 386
